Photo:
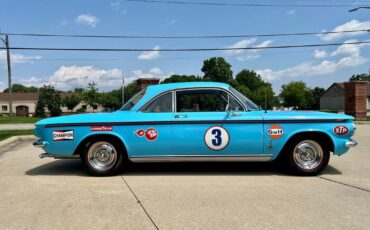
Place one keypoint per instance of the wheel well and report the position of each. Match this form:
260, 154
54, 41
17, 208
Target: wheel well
318, 136
80, 148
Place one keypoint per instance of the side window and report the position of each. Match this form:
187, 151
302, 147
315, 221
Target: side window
201, 101
234, 105
163, 104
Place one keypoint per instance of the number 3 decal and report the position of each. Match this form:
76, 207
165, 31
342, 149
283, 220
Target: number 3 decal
216, 138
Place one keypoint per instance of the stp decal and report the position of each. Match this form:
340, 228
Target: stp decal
275, 132
150, 134
62, 135
340, 130
101, 128
216, 138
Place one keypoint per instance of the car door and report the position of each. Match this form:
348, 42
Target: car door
152, 135
213, 122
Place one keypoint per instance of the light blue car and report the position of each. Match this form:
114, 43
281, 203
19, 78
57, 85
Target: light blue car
196, 121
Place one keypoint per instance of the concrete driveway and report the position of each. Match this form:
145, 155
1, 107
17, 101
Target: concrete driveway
57, 194
20, 126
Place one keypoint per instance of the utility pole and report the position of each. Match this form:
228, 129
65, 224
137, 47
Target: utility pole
6, 42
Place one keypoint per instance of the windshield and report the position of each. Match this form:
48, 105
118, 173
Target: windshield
250, 104
133, 101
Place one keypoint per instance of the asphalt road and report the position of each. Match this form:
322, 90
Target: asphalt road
57, 194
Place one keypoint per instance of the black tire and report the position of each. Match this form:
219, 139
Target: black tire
103, 157
306, 156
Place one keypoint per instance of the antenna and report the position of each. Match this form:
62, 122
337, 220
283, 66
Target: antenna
265, 101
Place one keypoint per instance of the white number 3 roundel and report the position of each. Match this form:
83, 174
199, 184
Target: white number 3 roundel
216, 138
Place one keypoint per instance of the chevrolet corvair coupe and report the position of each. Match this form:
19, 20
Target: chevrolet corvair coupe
196, 121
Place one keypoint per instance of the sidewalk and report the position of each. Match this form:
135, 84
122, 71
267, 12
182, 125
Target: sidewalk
20, 126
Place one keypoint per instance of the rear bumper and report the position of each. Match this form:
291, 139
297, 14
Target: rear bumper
351, 143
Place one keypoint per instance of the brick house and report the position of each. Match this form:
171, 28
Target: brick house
352, 98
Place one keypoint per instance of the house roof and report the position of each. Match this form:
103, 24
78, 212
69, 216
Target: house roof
341, 85
27, 96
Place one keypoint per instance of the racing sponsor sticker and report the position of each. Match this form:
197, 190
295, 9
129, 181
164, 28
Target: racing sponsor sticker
150, 134
62, 135
101, 128
216, 138
341, 130
275, 132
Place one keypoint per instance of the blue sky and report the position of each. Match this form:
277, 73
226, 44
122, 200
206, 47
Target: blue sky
66, 70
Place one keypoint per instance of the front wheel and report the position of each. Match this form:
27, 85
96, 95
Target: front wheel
307, 157
103, 158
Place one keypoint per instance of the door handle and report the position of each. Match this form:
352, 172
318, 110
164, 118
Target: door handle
180, 116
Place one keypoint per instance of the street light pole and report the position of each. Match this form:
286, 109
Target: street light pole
6, 42
360, 7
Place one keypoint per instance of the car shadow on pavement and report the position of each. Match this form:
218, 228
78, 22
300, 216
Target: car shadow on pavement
59, 167
75, 168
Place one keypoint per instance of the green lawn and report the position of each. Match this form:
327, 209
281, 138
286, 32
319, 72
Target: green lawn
7, 120
9, 133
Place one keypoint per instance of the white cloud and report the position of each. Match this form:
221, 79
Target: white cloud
87, 20
351, 25
244, 55
149, 55
116, 5
320, 54
310, 69
349, 49
155, 70
290, 12
17, 58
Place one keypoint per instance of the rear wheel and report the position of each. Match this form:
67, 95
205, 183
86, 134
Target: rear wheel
103, 158
307, 156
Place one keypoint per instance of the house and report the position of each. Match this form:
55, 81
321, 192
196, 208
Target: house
24, 104
352, 98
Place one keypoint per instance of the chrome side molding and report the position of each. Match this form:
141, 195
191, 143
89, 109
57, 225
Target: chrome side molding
351, 143
203, 158
43, 155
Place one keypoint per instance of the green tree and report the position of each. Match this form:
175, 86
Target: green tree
252, 86
181, 78
71, 101
19, 88
91, 96
78, 90
360, 77
130, 90
111, 101
317, 92
49, 98
217, 69
296, 94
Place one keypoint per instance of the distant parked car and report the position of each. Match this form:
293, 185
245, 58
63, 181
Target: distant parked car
200, 121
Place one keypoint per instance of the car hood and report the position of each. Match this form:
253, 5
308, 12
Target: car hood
87, 118
303, 115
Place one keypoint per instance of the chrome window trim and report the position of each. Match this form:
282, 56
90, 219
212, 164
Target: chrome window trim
209, 88
203, 158
157, 96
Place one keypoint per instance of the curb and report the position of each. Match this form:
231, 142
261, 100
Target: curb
11, 142
362, 122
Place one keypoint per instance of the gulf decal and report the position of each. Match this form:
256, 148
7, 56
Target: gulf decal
101, 128
275, 132
150, 134
62, 135
340, 130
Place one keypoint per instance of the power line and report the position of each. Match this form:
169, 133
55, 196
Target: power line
183, 49
240, 4
184, 37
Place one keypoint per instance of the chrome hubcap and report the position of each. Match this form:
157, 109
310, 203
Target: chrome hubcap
308, 154
102, 156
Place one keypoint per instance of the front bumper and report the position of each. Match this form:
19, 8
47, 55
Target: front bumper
351, 143
39, 143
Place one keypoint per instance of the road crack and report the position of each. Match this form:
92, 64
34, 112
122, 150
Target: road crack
341, 183
140, 203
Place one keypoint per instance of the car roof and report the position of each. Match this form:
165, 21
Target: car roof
173, 86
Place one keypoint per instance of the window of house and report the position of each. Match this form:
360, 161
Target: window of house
4, 108
84, 106
209, 100
95, 106
162, 104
